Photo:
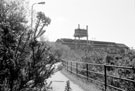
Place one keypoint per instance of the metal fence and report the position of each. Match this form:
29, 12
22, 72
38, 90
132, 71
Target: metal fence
83, 69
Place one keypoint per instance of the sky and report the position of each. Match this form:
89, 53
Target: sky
107, 20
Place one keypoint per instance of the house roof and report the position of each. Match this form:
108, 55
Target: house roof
98, 43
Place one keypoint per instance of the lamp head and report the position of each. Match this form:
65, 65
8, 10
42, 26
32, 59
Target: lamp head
41, 3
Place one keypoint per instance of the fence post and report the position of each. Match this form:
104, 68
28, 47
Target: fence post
105, 75
71, 67
87, 70
76, 68
67, 65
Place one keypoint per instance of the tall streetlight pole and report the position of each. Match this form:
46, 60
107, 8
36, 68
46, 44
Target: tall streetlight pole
32, 12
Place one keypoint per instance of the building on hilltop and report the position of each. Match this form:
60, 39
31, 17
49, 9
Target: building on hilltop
96, 44
78, 43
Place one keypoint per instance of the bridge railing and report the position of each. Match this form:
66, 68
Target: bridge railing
83, 69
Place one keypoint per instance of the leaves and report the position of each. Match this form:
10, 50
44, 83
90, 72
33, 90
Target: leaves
22, 57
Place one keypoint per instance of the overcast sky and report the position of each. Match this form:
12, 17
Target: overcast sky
108, 20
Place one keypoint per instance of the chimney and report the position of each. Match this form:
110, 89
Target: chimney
87, 32
87, 27
78, 26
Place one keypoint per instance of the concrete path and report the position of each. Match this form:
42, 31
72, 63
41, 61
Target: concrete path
59, 83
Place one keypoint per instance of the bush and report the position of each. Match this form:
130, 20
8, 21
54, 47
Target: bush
25, 62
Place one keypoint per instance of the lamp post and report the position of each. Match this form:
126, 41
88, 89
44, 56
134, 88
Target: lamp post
32, 11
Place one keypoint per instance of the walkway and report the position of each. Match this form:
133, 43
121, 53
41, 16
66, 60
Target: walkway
59, 83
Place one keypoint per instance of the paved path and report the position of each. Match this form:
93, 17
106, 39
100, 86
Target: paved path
59, 83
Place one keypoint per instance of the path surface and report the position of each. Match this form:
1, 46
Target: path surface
59, 82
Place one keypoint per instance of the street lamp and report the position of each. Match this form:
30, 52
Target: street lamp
32, 11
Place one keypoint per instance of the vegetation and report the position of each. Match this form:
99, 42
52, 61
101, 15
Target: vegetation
112, 56
63, 52
126, 60
109, 56
25, 62
68, 88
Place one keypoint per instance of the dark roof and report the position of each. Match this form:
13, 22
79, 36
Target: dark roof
101, 43
84, 41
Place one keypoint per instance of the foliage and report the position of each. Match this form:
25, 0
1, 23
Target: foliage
68, 88
13, 13
63, 52
127, 60
112, 56
25, 62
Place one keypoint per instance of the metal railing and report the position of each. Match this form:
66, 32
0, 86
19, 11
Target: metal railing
83, 69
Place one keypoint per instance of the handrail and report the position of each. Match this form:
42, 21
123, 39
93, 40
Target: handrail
96, 64
76, 68
107, 75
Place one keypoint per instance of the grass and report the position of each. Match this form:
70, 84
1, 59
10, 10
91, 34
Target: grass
86, 85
